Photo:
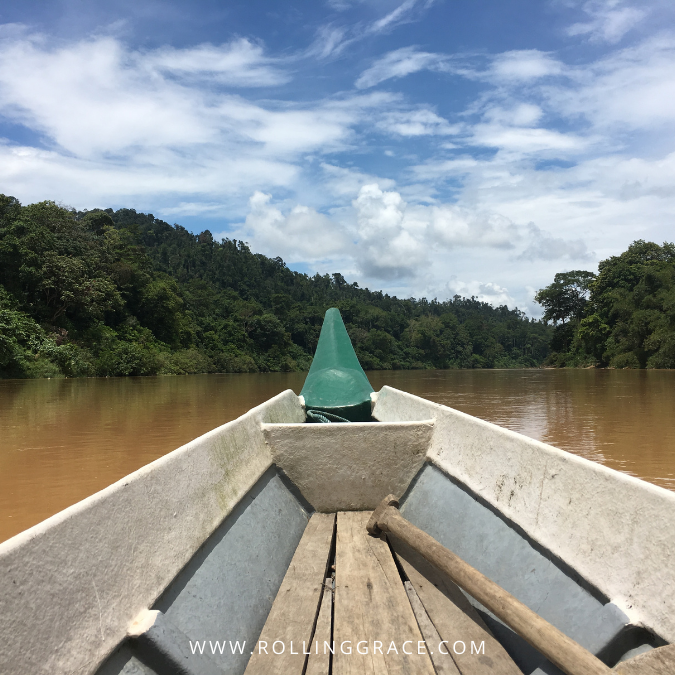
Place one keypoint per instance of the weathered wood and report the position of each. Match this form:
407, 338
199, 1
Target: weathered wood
371, 606
454, 618
294, 612
318, 662
561, 650
659, 661
443, 662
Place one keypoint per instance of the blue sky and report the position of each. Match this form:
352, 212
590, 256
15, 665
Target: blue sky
423, 147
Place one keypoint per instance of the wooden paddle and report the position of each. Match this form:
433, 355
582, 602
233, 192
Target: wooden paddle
561, 650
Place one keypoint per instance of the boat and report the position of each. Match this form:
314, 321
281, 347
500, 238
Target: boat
248, 551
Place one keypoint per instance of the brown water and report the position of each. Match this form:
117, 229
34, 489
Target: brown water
62, 440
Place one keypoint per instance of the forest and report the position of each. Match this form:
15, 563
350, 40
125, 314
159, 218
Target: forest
621, 317
110, 293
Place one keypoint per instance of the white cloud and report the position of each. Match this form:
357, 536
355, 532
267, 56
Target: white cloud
453, 226
416, 123
524, 140
239, 63
330, 40
394, 17
400, 63
550, 164
395, 239
343, 182
519, 114
387, 248
544, 246
523, 65
484, 291
302, 234
633, 88
609, 20
117, 123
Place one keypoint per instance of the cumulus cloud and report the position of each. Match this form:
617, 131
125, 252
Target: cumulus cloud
395, 239
485, 291
346, 182
387, 246
452, 226
301, 234
544, 246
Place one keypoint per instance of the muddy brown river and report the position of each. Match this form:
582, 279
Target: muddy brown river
62, 440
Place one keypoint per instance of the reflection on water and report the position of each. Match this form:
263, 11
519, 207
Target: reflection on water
62, 440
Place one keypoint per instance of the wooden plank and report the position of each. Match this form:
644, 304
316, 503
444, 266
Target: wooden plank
318, 662
294, 612
454, 617
659, 661
568, 655
371, 607
443, 662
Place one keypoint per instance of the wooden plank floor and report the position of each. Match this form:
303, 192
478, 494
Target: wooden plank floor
374, 622
318, 662
455, 618
371, 605
294, 612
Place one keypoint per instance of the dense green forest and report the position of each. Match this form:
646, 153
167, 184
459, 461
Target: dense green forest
105, 293
623, 317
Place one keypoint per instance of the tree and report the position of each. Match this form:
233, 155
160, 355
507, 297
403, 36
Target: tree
565, 299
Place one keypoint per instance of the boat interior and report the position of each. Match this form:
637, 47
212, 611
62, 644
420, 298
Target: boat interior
277, 571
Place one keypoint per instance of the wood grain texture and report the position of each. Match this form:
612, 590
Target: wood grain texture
371, 605
443, 662
659, 661
318, 662
294, 611
454, 617
557, 647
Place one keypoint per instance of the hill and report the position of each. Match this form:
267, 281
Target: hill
105, 293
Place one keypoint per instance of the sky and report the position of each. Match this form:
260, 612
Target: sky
421, 147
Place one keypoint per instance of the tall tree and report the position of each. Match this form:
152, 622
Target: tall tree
565, 299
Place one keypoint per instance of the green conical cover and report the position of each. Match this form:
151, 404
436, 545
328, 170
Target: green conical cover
336, 382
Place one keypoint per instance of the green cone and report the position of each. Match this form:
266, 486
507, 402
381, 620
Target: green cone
336, 382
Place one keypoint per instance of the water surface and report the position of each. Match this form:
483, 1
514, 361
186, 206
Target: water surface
62, 440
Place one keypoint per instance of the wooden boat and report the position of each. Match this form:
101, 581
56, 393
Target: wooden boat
256, 532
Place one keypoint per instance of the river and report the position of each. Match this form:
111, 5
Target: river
62, 440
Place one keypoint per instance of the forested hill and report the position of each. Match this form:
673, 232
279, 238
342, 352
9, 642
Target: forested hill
123, 293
